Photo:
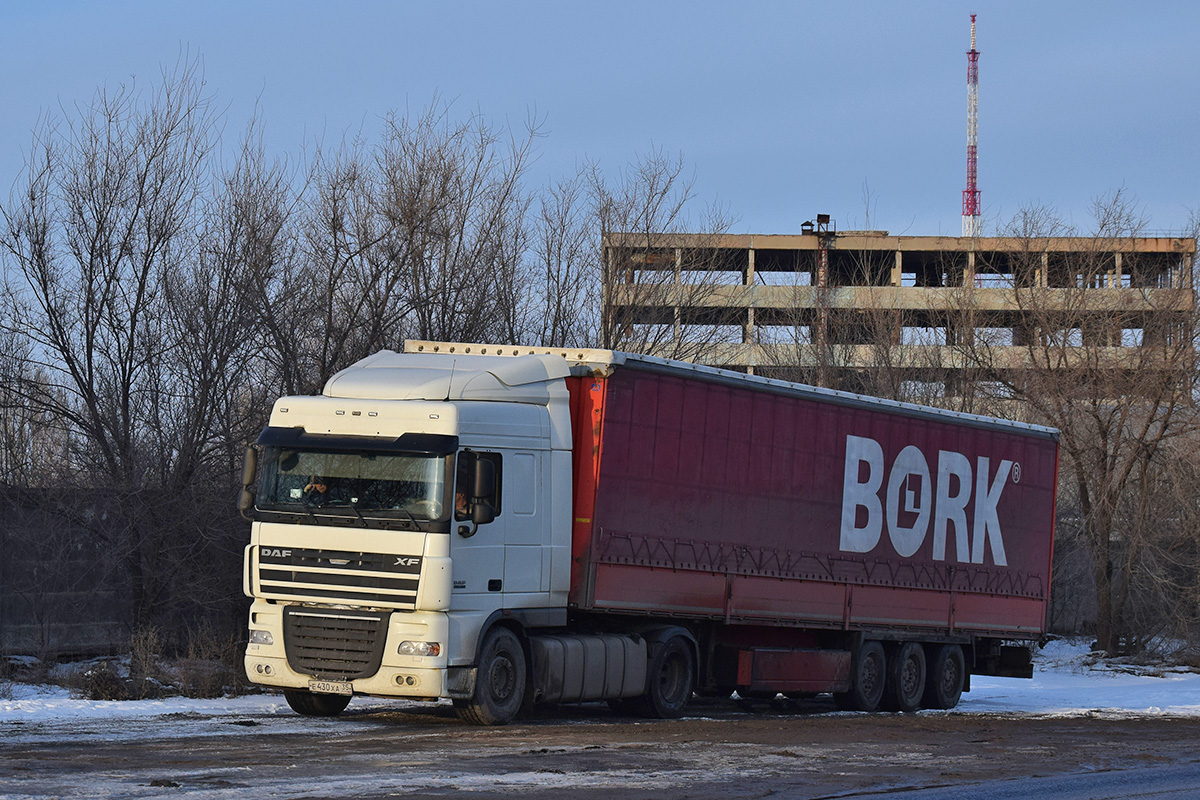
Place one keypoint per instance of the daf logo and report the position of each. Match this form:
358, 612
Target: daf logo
402, 561
275, 552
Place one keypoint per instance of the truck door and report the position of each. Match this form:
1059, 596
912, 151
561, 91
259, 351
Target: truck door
477, 551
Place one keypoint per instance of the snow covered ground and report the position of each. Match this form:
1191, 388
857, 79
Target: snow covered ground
1065, 683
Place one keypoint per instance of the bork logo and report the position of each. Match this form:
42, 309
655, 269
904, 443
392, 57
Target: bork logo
910, 501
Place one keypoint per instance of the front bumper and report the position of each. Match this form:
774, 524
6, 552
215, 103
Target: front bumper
397, 676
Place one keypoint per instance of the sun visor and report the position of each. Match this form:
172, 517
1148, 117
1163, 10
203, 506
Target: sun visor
427, 444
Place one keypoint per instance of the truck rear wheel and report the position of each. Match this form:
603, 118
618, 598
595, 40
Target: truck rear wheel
316, 705
866, 680
946, 676
905, 678
499, 683
669, 680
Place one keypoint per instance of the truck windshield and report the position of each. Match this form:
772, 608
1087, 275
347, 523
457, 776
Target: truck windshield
353, 482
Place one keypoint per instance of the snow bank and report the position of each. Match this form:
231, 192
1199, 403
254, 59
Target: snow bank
1066, 682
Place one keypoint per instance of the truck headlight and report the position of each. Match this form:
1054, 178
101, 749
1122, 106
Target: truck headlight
420, 648
261, 637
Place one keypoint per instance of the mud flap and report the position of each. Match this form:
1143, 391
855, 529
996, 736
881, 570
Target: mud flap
460, 682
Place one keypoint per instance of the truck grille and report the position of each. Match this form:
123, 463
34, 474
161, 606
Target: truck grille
376, 579
332, 643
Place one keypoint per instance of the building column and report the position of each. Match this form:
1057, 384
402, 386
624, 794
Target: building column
898, 269
677, 330
748, 328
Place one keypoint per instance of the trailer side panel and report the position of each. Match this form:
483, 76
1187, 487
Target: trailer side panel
708, 500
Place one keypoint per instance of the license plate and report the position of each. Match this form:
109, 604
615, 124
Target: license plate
330, 687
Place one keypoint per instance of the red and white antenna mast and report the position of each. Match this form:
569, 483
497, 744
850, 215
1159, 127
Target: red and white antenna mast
971, 225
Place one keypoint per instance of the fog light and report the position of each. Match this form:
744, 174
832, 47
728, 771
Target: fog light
261, 637
419, 648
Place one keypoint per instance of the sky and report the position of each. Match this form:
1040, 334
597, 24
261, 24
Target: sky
780, 110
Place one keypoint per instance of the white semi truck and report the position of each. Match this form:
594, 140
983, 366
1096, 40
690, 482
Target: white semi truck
508, 526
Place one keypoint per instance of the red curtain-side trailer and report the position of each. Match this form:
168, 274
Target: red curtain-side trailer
794, 526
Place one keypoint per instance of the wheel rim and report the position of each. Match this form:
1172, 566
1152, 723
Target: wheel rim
872, 675
672, 678
502, 677
910, 677
950, 677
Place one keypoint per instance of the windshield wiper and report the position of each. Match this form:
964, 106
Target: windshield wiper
357, 513
308, 509
416, 525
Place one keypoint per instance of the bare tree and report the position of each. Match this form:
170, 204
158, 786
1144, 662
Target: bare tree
454, 198
564, 297
136, 314
661, 275
1105, 352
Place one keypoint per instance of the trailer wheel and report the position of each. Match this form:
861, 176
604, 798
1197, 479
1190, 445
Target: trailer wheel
946, 676
316, 705
905, 678
866, 681
669, 681
500, 682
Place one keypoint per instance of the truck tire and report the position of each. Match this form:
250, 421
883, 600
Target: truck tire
500, 682
670, 676
867, 679
945, 677
316, 705
905, 678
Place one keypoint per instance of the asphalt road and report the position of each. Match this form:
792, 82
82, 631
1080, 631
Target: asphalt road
721, 750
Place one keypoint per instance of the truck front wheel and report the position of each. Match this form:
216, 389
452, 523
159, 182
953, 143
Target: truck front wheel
316, 705
944, 682
669, 679
500, 682
866, 680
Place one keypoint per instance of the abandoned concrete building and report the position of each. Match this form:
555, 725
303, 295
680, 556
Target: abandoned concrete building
821, 306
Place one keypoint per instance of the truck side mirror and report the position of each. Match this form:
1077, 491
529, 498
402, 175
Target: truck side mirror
482, 513
485, 478
482, 494
249, 471
483, 509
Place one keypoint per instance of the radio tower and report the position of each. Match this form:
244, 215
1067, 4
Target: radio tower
971, 225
